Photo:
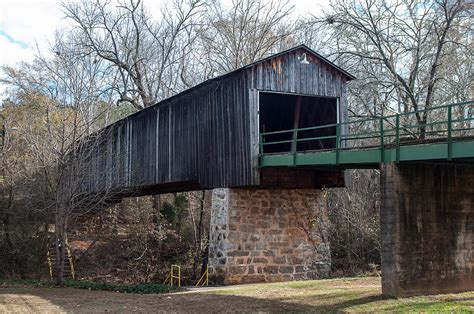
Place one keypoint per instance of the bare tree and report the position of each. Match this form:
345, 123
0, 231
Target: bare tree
245, 32
354, 216
22, 234
400, 48
197, 202
144, 53
64, 93
146, 56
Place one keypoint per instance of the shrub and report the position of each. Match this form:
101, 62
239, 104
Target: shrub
27, 282
91, 285
139, 288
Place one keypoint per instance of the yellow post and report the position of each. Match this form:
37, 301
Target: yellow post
166, 279
173, 276
204, 279
50, 266
69, 256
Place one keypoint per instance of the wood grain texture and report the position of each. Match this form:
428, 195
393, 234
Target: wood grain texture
205, 137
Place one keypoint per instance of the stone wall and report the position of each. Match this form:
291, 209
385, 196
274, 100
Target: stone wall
259, 235
427, 228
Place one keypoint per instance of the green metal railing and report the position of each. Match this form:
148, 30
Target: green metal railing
443, 132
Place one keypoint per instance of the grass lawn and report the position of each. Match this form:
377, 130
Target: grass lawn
335, 295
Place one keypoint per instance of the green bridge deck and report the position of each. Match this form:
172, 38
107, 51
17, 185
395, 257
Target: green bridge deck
438, 133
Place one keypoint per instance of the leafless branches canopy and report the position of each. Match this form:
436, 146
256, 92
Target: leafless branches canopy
247, 32
403, 49
144, 53
57, 104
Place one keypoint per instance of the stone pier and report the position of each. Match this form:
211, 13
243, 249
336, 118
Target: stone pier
263, 235
427, 228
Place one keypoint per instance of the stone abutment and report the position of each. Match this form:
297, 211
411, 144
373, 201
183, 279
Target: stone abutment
265, 235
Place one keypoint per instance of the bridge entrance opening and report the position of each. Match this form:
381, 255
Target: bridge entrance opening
283, 112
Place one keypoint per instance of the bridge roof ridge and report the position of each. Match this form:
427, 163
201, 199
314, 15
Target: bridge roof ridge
250, 65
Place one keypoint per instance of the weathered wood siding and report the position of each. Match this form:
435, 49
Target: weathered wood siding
286, 74
200, 137
205, 137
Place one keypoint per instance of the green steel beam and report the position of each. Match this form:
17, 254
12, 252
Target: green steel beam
450, 147
435, 151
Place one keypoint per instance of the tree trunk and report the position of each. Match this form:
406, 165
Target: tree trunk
198, 248
156, 210
18, 265
60, 249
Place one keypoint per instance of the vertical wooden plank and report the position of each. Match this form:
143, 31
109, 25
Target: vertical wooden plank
157, 145
292, 72
298, 72
170, 143
253, 105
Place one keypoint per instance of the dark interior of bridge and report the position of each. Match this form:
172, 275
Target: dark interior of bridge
278, 112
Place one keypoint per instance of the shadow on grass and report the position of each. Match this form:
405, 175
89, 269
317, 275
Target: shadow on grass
434, 306
75, 300
339, 302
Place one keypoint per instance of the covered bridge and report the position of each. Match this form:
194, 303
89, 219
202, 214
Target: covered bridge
280, 123
208, 136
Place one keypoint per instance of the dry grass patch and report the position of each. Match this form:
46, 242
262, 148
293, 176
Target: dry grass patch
335, 295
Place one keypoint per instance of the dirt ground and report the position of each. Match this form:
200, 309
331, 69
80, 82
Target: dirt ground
335, 295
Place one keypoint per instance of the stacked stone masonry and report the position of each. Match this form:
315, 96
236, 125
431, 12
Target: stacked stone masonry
264, 235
